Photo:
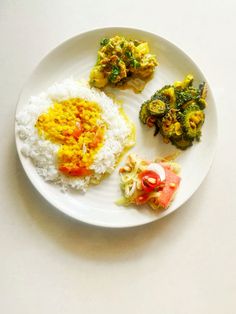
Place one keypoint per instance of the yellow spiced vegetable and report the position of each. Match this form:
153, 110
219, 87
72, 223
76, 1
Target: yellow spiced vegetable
123, 62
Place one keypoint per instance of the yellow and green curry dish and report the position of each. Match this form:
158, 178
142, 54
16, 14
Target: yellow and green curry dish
177, 112
123, 63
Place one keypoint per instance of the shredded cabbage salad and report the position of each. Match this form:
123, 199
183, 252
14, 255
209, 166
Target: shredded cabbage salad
153, 183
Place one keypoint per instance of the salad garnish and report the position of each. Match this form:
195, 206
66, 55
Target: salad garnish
152, 183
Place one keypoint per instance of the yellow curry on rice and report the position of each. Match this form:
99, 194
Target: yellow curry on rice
76, 125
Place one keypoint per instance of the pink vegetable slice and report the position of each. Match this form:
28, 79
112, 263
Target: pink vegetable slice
171, 185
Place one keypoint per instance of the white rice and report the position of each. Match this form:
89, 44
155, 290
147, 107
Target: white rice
43, 153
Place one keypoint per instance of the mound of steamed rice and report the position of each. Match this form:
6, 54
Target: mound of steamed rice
43, 153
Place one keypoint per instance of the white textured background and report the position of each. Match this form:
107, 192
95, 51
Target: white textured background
185, 263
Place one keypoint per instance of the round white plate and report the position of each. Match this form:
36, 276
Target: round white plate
76, 57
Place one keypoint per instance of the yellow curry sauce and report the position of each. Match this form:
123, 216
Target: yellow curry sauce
76, 124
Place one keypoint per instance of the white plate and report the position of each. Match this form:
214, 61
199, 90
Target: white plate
75, 57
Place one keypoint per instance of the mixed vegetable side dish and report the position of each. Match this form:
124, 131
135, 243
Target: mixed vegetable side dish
123, 63
176, 111
153, 183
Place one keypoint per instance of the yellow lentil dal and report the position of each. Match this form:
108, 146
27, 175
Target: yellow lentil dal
76, 124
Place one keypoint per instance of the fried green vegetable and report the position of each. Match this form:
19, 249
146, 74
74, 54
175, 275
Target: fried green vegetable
169, 125
202, 103
192, 120
157, 107
176, 111
182, 142
121, 61
144, 113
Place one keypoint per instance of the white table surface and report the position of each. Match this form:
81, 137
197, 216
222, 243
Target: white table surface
184, 263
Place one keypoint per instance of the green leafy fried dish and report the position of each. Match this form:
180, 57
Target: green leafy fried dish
176, 112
